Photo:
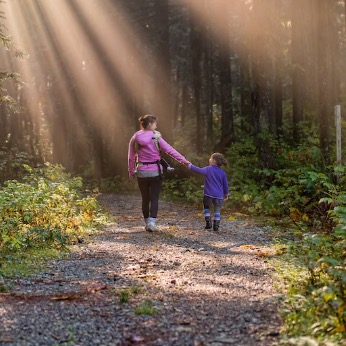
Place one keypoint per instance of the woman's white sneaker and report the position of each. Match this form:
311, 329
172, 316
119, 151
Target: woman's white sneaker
151, 224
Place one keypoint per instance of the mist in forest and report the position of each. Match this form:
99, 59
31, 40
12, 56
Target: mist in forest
205, 68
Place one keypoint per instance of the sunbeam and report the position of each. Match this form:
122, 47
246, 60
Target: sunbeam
84, 63
216, 15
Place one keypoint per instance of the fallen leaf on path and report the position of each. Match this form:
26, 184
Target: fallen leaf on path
143, 276
262, 254
225, 340
133, 267
69, 296
249, 247
56, 337
153, 249
96, 287
184, 329
186, 321
136, 338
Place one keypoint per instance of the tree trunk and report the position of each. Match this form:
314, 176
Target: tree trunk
298, 66
163, 96
324, 86
277, 99
227, 124
196, 58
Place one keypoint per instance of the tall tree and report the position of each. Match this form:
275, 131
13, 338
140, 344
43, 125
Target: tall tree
299, 13
325, 14
163, 103
196, 61
227, 121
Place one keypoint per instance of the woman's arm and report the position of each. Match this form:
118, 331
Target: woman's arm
132, 156
169, 150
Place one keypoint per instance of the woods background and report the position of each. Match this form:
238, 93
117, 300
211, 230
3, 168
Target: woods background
213, 72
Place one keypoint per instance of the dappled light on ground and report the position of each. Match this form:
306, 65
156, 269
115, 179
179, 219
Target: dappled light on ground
181, 287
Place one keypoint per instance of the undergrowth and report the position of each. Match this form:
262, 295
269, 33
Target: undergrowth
41, 213
297, 185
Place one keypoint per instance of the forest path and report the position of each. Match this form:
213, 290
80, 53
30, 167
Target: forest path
181, 285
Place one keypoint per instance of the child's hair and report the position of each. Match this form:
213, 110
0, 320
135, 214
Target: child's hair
147, 119
219, 159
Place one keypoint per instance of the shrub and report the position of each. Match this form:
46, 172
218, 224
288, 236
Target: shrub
45, 209
187, 189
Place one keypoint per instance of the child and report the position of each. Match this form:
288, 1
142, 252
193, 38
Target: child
215, 188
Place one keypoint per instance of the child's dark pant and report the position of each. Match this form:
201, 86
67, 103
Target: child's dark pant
209, 201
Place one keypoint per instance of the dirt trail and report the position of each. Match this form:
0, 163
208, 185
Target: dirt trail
181, 285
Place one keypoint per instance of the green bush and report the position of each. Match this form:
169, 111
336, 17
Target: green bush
12, 164
45, 209
297, 183
295, 178
316, 301
188, 190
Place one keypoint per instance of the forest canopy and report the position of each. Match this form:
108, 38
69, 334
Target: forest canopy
213, 72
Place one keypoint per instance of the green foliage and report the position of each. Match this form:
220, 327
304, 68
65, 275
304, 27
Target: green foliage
44, 210
187, 189
115, 184
269, 177
24, 263
294, 179
316, 299
9, 46
124, 296
145, 308
13, 164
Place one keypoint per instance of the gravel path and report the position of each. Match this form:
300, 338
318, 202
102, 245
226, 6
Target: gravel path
181, 285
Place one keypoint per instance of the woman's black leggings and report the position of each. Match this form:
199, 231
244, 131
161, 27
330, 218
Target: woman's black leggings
150, 189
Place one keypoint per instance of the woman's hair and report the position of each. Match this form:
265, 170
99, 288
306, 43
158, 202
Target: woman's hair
147, 119
219, 159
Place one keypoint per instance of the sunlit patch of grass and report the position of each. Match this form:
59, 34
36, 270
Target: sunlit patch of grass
136, 289
125, 294
145, 308
288, 272
28, 263
304, 307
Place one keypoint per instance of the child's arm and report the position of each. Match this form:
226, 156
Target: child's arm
199, 170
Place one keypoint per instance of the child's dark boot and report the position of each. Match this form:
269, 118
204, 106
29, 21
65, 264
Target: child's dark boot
216, 225
208, 224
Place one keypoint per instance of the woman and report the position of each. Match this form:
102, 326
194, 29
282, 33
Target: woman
144, 162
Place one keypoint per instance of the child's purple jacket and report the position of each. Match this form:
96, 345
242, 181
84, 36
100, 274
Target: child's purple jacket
215, 181
147, 151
